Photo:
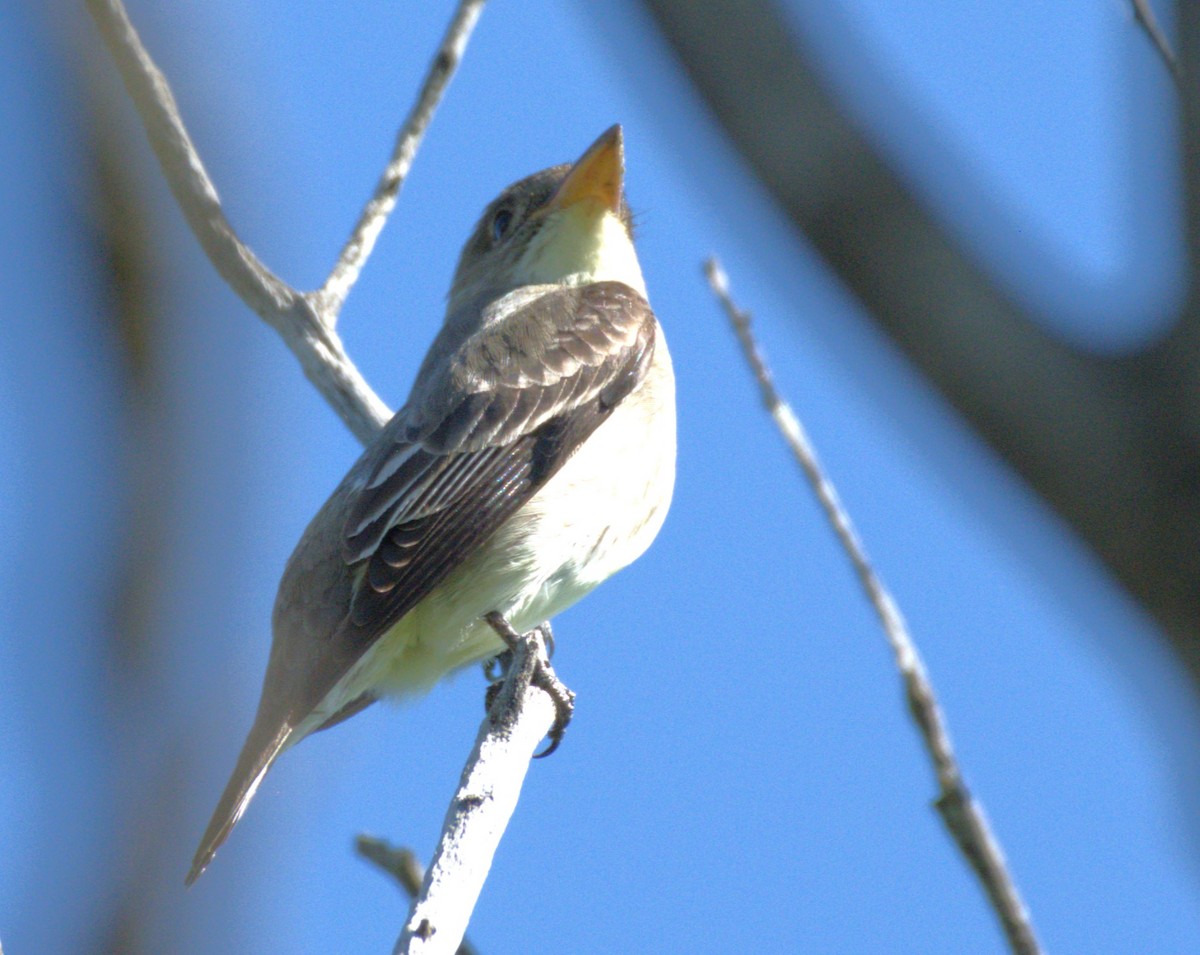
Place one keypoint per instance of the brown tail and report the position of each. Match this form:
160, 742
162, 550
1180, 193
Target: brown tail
262, 747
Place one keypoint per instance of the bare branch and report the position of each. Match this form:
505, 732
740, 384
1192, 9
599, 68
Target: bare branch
261, 289
305, 321
362, 240
963, 815
519, 717
1144, 14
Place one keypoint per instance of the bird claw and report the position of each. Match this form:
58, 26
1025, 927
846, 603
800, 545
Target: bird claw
541, 675
495, 667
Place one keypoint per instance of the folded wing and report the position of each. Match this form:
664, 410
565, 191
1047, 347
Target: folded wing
516, 400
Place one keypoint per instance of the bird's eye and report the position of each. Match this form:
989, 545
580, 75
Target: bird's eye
500, 224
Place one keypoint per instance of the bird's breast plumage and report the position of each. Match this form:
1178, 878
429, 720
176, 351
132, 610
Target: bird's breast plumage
602, 510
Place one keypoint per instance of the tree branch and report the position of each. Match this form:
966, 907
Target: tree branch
399, 862
1144, 14
962, 814
402, 865
306, 321
518, 719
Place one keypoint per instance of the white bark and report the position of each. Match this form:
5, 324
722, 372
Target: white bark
479, 813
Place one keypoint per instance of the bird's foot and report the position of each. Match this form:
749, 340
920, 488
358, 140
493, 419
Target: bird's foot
494, 670
537, 672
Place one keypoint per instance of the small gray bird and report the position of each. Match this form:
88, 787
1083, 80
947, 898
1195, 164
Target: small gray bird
534, 458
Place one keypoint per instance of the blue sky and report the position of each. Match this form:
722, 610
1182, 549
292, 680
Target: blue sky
741, 774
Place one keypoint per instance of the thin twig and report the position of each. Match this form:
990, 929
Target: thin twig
362, 240
257, 285
400, 863
1144, 14
962, 814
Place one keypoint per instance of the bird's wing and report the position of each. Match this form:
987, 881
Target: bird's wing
512, 405
474, 444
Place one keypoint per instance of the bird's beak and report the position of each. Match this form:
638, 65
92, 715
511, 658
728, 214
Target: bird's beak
597, 176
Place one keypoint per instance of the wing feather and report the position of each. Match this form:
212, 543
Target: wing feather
512, 405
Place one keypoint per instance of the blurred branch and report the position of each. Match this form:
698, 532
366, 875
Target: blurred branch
963, 815
1144, 14
401, 863
522, 714
1050, 408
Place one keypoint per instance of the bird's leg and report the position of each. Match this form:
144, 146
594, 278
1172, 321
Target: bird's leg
537, 671
495, 669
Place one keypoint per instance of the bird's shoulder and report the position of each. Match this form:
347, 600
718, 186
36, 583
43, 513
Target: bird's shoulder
528, 344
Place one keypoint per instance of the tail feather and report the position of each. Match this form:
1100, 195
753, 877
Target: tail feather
261, 749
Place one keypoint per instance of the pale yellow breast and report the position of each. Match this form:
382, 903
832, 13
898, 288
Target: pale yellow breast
606, 505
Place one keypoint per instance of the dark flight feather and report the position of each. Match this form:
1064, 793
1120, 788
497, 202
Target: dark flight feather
517, 399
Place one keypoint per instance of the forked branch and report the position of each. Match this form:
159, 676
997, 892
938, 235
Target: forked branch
307, 321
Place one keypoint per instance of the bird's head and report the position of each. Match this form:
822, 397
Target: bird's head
566, 225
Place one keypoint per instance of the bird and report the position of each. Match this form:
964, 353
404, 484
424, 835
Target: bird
533, 458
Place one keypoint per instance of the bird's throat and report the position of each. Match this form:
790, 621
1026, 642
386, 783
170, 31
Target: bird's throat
579, 246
